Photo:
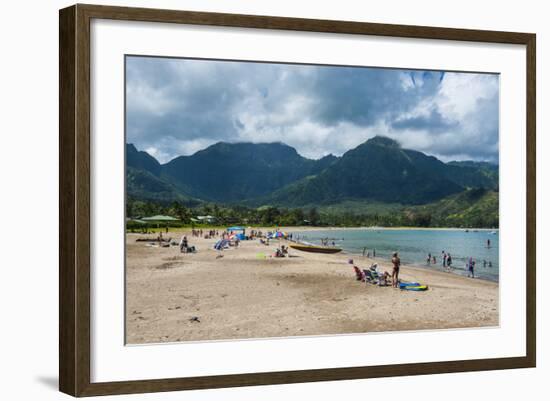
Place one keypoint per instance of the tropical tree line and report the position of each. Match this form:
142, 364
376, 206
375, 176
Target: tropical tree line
279, 216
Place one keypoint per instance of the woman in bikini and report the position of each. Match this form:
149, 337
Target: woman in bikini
395, 273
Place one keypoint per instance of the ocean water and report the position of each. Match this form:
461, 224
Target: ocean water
415, 245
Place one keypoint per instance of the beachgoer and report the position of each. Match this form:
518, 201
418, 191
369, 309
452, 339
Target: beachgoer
471, 265
382, 276
488, 243
284, 250
484, 263
364, 250
359, 276
373, 252
444, 258
449, 261
183, 244
490, 264
434, 261
395, 273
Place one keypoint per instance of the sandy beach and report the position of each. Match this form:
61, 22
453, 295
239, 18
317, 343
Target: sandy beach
239, 293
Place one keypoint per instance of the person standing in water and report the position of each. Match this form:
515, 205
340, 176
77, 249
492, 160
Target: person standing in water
488, 243
373, 252
395, 272
471, 265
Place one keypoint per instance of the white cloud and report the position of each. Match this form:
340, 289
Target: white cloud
180, 106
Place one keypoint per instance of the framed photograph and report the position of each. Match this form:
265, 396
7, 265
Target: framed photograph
251, 200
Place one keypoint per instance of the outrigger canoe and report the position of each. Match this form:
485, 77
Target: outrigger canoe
315, 248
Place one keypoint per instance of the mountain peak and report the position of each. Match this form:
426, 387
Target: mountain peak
383, 141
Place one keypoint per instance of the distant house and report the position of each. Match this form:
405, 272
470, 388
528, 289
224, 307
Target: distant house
206, 219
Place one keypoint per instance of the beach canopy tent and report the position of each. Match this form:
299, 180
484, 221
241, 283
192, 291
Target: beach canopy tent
221, 244
136, 221
160, 219
236, 228
241, 235
278, 234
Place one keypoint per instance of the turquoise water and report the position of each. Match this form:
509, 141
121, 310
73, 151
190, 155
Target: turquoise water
415, 245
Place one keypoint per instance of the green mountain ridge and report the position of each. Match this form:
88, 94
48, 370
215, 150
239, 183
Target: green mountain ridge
377, 175
231, 172
379, 170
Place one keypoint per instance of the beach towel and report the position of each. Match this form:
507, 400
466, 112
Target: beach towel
412, 286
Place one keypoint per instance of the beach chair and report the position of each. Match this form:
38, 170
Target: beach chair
358, 274
371, 276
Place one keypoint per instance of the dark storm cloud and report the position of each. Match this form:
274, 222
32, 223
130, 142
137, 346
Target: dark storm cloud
363, 96
178, 106
433, 121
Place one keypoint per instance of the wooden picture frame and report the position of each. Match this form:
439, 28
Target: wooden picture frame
74, 203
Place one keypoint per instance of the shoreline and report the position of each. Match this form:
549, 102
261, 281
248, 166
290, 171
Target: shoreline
417, 265
423, 267
319, 228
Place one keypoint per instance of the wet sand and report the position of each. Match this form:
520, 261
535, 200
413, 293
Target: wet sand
245, 293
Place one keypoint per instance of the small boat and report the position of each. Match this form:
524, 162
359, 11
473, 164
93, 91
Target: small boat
315, 248
154, 239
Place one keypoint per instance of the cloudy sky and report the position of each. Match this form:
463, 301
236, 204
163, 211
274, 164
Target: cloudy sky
178, 106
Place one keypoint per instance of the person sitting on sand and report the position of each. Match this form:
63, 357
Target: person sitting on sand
359, 276
183, 244
284, 250
395, 272
382, 277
